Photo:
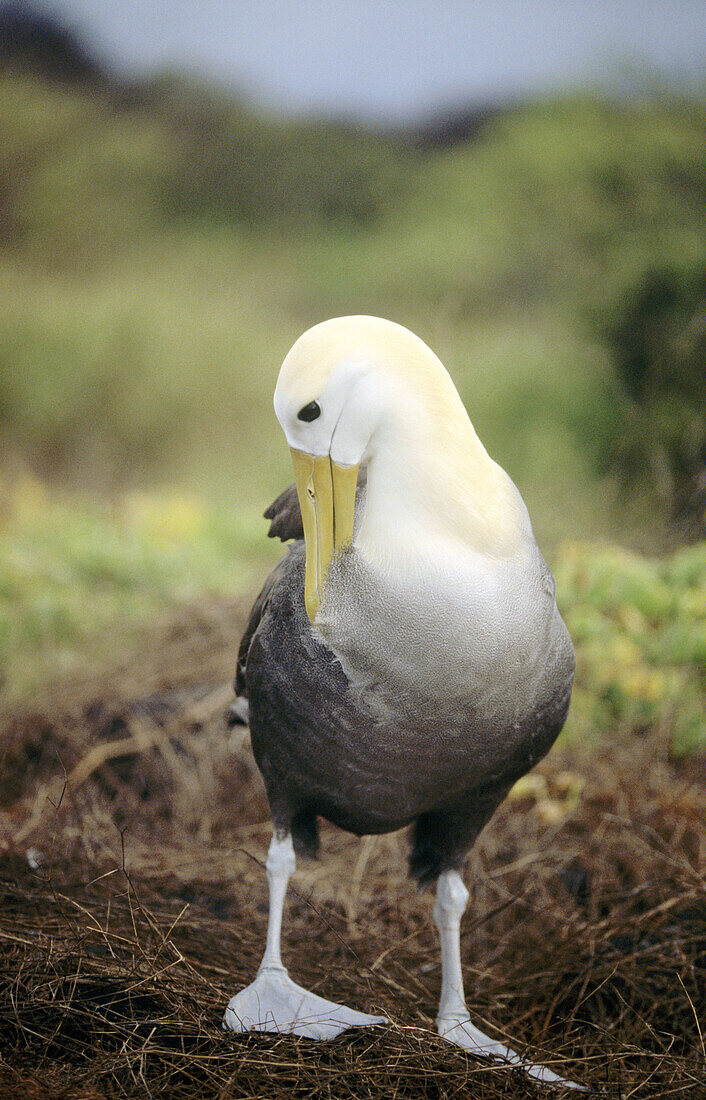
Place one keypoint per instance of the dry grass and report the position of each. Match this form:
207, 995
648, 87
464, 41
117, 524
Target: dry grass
135, 828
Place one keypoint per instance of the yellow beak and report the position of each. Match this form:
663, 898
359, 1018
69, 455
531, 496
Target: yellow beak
327, 501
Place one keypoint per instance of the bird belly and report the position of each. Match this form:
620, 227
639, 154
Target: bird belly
342, 761
372, 755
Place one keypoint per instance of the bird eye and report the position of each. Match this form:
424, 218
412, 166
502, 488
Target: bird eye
309, 412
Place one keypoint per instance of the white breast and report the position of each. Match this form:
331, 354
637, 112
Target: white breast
445, 629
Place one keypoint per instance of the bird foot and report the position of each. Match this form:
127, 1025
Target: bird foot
462, 1033
274, 1003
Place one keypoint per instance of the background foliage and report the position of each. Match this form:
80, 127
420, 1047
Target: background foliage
162, 245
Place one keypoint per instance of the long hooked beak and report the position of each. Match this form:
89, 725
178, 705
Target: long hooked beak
327, 501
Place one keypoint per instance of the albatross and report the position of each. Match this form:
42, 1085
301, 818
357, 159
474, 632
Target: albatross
405, 662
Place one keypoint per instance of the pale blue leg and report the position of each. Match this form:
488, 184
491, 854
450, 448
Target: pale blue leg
273, 1002
453, 1021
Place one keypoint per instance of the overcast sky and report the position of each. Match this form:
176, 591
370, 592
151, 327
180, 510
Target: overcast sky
393, 59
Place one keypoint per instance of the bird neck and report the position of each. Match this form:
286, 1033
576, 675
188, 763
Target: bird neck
433, 489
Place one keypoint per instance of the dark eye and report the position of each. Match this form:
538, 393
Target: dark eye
309, 412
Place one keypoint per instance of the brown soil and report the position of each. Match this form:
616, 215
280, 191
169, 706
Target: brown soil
134, 829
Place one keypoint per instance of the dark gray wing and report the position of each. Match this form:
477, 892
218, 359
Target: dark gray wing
285, 519
285, 516
256, 613
238, 712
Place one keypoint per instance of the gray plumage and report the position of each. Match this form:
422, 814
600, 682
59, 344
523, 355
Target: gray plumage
392, 712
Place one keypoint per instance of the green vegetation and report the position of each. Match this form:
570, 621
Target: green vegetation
639, 628
659, 342
79, 580
163, 246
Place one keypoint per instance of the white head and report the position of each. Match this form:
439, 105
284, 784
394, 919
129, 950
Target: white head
362, 389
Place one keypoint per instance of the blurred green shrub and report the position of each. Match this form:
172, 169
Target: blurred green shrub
161, 245
657, 338
236, 164
86, 170
639, 629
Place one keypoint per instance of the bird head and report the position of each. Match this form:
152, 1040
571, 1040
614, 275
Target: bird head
363, 389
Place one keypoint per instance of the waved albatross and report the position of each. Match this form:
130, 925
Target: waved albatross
405, 662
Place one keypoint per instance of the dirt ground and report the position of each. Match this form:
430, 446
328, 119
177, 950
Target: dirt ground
133, 832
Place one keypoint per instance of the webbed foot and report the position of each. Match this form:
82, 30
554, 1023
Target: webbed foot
462, 1033
274, 1003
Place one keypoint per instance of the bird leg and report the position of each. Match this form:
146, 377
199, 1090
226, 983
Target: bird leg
280, 866
453, 1021
273, 1002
